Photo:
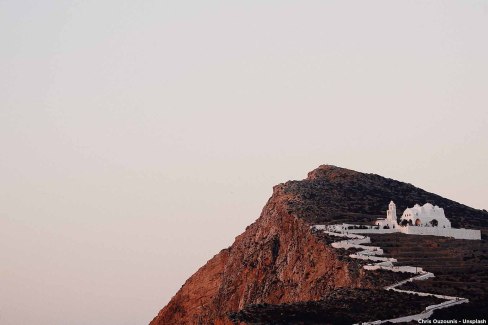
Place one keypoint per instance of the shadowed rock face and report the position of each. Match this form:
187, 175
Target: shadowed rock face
279, 260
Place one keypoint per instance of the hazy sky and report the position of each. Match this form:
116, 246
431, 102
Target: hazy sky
138, 138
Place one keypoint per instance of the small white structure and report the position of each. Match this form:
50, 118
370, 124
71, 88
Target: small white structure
390, 222
427, 215
419, 220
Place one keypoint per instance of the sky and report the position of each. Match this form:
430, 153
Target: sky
139, 138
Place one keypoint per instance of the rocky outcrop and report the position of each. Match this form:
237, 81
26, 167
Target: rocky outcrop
279, 260
276, 260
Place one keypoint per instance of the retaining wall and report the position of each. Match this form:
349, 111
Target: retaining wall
446, 232
458, 233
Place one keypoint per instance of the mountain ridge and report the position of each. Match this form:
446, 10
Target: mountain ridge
278, 260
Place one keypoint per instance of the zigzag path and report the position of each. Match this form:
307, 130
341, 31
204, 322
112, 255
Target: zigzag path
372, 253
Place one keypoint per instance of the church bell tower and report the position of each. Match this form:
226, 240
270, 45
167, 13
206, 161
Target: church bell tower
391, 213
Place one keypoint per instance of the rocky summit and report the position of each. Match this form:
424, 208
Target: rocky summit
280, 266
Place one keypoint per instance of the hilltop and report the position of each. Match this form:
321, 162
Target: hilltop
278, 261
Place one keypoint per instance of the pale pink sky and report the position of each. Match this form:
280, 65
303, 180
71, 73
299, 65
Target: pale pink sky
139, 138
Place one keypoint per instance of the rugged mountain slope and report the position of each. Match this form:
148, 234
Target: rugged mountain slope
279, 260
276, 260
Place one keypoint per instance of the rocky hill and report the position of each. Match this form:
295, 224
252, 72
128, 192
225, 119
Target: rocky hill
279, 261
331, 194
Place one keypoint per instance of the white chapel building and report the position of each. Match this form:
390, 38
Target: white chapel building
427, 215
421, 220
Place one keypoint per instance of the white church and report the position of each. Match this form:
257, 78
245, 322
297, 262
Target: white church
427, 215
423, 220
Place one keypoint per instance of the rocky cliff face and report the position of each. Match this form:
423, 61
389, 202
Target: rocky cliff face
279, 260
276, 260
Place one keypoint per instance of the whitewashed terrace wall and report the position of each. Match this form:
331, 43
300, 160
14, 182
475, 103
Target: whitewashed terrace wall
447, 232
410, 230
372, 231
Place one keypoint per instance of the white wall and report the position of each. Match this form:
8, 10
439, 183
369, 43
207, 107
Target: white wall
447, 232
433, 231
372, 231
